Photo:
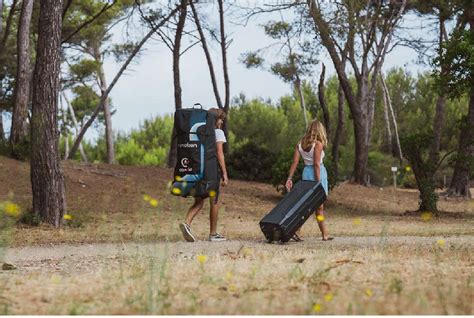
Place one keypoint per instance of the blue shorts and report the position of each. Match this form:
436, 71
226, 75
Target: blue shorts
308, 175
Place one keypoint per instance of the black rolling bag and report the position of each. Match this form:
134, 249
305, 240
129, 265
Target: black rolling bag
292, 211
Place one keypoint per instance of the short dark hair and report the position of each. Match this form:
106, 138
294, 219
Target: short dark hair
220, 114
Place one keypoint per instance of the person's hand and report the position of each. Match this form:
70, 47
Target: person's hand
225, 180
289, 185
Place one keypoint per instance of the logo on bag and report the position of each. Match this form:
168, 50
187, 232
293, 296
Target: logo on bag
185, 162
187, 145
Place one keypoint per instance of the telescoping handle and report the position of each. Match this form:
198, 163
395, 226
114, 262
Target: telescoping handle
197, 104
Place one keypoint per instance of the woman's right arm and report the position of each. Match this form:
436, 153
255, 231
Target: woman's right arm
296, 159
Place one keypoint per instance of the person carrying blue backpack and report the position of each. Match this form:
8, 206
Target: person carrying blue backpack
185, 227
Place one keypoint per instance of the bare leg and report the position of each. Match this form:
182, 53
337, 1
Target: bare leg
213, 214
194, 210
322, 224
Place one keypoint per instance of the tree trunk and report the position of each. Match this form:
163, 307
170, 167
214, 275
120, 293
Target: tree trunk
78, 140
2, 131
224, 45
19, 128
460, 183
4, 34
299, 89
1, 17
361, 151
338, 134
438, 123
8, 26
224, 57
387, 146
47, 180
391, 116
173, 152
208, 55
322, 101
387, 143
76, 127
66, 135
109, 134
358, 115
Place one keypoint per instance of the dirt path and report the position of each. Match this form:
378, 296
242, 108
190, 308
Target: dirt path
34, 258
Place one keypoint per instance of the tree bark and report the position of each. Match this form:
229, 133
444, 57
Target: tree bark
173, 152
2, 131
225, 69
391, 114
47, 180
8, 26
359, 118
322, 101
19, 128
1, 17
207, 54
299, 89
438, 123
338, 134
66, 135
387, 144
109, 134
224, 56
4, 38
76, 126
460, 183
115, 80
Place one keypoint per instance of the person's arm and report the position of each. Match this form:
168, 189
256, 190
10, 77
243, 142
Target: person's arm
318, 149
221, 159
296, 159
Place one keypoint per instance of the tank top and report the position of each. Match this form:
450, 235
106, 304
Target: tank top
308, 156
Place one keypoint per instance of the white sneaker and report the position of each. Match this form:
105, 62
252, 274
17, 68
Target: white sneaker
216, 237
186, 230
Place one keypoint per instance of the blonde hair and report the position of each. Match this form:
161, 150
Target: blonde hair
220, 114
315, 132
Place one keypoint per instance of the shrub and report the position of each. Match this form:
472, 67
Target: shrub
281, 167
251, 162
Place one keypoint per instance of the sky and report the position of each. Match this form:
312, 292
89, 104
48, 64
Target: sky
146, 90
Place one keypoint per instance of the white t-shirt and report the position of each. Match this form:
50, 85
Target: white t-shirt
308, 156
220, 136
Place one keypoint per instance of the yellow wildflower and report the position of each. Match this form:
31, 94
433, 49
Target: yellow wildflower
147, 198
12, 209
328, 297
441, 242
407, 168
202, 259
154, 203
176, 191
369, 292
232, 288
247, 251
317, 307
67, 217
229, 276
320, 218
55, 279
426, 216
357, 221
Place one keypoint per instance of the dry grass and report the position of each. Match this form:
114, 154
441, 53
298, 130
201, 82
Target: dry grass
380, 263
257, 280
